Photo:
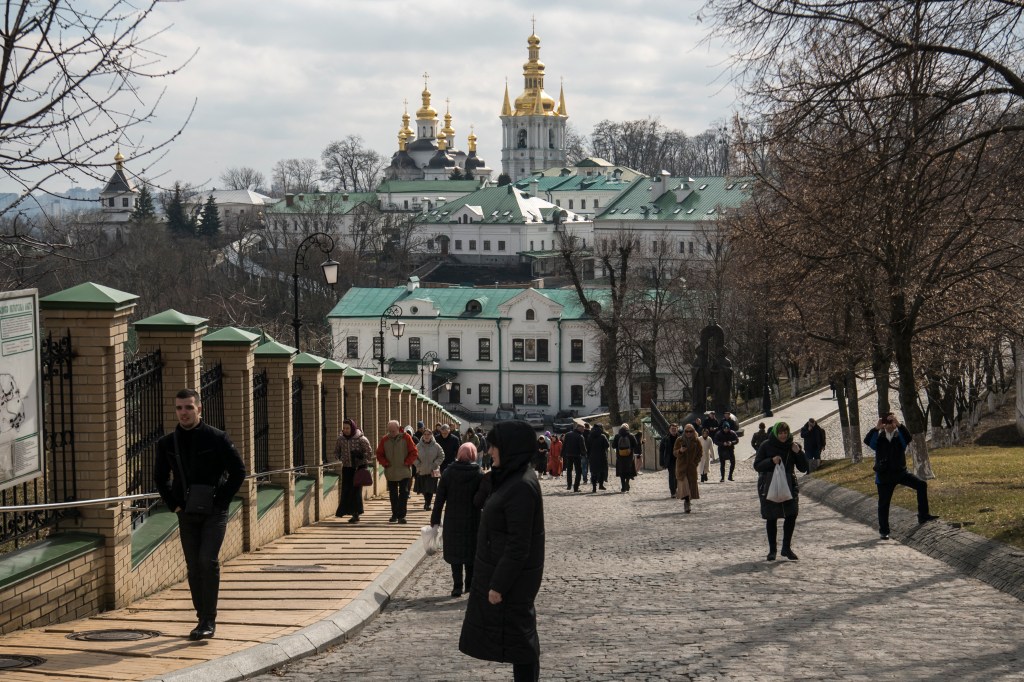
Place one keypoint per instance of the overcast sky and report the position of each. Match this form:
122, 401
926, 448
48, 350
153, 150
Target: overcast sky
277, 80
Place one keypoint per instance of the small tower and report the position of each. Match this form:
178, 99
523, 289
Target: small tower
533, 130
119, 197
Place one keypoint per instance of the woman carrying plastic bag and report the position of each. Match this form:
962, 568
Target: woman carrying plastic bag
775, 461
431, 537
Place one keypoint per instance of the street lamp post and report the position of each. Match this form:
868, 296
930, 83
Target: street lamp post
325, 243
397, 329
430, 360
766, 398
447, 385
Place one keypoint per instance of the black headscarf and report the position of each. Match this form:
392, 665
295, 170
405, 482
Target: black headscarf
517, 443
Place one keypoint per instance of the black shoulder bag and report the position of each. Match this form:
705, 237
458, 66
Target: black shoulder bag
198, 497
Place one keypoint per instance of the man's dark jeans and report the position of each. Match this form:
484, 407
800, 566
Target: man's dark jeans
885, 491
672, 483
201, 538
731, 459
573, 464
398, 494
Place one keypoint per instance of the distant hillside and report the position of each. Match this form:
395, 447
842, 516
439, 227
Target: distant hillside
74, 200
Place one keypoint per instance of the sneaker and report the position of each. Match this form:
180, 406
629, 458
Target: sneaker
883, 536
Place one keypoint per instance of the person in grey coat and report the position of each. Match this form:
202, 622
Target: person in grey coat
428, 467
501, 621
455, 495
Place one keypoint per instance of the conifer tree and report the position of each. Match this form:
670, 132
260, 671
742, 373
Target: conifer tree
178, 220
144, 211
210, 226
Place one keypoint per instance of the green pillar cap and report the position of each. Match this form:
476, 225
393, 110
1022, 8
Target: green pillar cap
308, 360
421, 397
370, 379
230, 336
406, 388
171, 320
273, 349
88, 296
334, 366
353, 372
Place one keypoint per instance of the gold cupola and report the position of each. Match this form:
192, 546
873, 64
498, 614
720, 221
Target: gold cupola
448, 130
119, 160
534, 101
426, 112
406, 130
442, 141
471, 139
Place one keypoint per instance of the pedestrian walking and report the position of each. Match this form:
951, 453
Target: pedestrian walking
638, 465
540, 459
501, 620
555, 457
354, 452
597, 454
889, 439
832, 387
429, 456
759, 437
814, 443
707, 446
667, 457
780, 447
455, 492
449, 442
711, 423
397, 453
625, 447
471, 437
197, 471
689, 452
574, 452
726, 439
585, 461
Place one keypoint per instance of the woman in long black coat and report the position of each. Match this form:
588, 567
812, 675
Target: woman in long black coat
779, 447
455, 492
501, 622
597, 454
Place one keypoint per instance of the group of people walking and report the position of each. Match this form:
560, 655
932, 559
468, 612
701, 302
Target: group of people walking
584, 453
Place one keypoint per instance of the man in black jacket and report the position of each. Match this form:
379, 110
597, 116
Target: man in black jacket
574, 451
450, 443
667, 456
194, 455
726, 439
889, 439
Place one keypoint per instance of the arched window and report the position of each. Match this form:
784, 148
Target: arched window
522, 139
530, 315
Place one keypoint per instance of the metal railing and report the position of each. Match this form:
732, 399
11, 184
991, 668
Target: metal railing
144, 422
261, 425
211, 391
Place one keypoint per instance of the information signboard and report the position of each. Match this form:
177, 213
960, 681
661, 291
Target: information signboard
21, 398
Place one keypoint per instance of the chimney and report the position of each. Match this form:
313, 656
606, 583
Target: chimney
344, 196
534, 186
412, 284
659, 185
289, 200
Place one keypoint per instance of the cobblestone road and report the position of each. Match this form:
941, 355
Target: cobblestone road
636, 590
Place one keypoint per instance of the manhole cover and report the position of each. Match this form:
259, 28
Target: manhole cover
12, 662
113, 635
314, 568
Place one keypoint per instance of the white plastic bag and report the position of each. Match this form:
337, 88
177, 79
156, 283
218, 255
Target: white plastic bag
778, 490
431, 536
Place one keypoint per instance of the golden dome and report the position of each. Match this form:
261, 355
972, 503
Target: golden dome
472, 139
119, 158
426, 112
448, 130
534, 101
442, 141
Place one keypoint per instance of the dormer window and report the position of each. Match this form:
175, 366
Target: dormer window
473, 306
531, 315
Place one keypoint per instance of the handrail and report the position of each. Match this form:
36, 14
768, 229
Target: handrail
130, 498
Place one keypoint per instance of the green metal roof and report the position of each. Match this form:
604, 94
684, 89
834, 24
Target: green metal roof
275, 349
578, 183
333, 366
308, 360
706, 198
371, 302
353, 372
171, 320
401, 186
88, 296
230, 336
499, 205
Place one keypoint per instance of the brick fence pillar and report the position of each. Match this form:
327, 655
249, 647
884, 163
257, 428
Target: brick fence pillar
233, 349
373, 429
309, 368
98, 316
178, 337
276, 359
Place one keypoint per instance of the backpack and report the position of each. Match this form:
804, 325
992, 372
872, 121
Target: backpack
624, 446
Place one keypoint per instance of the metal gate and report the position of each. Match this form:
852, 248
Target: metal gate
298, 451
261, 426
144, 425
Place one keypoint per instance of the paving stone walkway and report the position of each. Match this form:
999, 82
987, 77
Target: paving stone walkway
636, 590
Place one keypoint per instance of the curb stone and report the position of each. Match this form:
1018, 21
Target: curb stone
339, 627
990, 561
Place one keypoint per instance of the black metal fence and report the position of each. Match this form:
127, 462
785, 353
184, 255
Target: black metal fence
261, 425
298, 450
144, 425
211, 391
57, 484
323, 423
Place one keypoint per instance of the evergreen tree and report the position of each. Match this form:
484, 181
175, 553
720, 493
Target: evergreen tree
144, 211
504, 179
210, 226
456, 174
178, 220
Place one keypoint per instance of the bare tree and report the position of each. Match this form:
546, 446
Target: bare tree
295, 176
350, 166
243, 177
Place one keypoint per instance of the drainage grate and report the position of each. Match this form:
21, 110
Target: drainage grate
120, 635
313, 568
13, 661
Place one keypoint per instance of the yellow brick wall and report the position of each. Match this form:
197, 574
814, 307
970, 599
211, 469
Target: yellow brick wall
65, 592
